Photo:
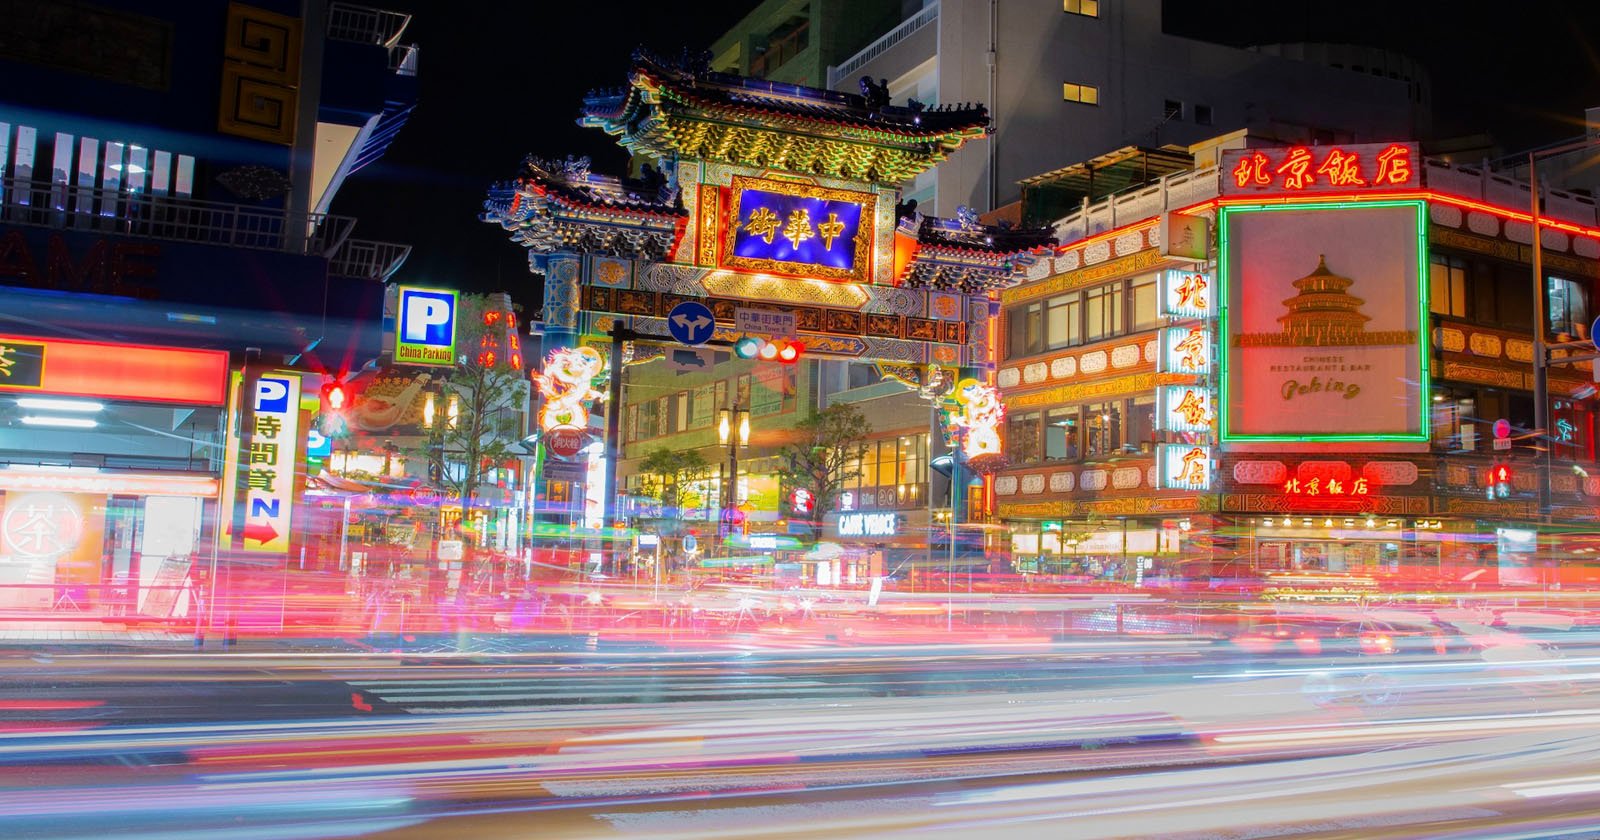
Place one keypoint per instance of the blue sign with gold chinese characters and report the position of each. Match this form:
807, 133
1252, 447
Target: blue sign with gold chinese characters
805, 230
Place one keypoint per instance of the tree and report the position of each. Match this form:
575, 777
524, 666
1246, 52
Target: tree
489, 391
826, 452
672, 478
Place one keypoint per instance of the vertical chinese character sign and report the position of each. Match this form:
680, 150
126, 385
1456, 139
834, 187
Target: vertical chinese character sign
268, 467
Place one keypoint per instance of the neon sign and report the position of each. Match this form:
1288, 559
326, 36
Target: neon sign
1186, 294
567, 385
1304, 169
869, 525
1186, 350
273, 454
1185, 408
978, 412
1184, 467
787, 228
1331, 487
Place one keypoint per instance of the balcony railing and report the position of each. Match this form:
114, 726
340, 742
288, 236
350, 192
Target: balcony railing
929, 14
366, 259
403, 59
366, 25
64, 206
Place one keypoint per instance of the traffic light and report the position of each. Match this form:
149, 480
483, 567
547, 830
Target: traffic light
335, 398
1500, 481
780, 350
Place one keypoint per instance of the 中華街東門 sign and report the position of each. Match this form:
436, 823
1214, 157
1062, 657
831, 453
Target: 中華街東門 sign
1323, 322
803, 230
1329, 170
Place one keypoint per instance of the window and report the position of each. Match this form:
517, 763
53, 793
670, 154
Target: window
1447, 282
1024, 330
1064, 321
1061, 434
859, 375
1142, 300
1022, 438
1568, 302
1141, 424
1102, 427
1087, 8
1172, 109
1202, 114
1085, 94
1102, 312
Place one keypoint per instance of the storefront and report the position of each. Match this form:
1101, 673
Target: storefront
110, 466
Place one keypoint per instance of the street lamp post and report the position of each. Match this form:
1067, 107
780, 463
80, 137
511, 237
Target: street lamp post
733, 429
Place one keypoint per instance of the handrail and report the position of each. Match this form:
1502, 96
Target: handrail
403, 59
366, 25
367, 259
929, 14
26, 201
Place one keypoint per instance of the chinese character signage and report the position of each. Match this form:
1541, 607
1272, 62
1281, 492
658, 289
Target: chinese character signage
1185, 408
1184, 467
764, 322
1321, 169
1324, 486
270, 463
1186, 294
798, 229
425, 327
1186, 350
1323, 319
64, 367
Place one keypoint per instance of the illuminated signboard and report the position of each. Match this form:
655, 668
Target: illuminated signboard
1186, 294
974, 411
425, 328
1324, 310
1185, 408
799, 229
269, 475
1186, 350
567, 385
1321, 169
1316, 486
868, 525
113, 371
1184, 467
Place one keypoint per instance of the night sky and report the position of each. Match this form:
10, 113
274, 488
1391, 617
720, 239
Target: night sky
499, 81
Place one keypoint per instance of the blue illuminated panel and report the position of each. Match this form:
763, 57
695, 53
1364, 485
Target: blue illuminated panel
799, 229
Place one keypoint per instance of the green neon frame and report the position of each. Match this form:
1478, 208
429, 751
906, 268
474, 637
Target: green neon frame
1225, 280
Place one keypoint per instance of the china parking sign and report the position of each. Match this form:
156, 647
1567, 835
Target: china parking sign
425, 327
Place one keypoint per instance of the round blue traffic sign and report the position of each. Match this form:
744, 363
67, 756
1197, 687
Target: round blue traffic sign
691, 323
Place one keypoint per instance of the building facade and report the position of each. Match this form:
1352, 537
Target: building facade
1306, 364
1067, 83
165, 176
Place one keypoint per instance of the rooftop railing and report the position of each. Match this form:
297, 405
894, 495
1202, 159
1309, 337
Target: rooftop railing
1182, 189
927, 15
26, 201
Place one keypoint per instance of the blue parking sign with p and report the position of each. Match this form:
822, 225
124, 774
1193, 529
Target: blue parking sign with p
272, 396
425, 327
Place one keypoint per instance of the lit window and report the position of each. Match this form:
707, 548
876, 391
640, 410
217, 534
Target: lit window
1086, 94
1087, 8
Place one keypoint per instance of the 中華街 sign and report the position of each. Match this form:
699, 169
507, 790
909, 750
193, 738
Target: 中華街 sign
804, 230
425, 327
1324, 317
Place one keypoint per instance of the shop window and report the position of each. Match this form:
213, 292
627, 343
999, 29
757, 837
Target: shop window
1568, 303
1452, 430
1061, 434
1022, 438
1447, 280
1102, 425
